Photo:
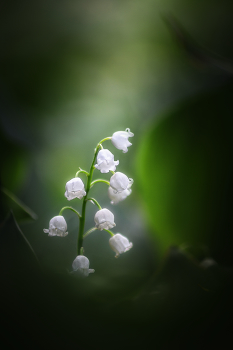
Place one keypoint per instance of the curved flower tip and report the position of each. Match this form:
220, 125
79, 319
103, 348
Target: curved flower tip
75, 189
104, 219
81, 265
120, 139
120, 244
57, 227
117, 197
105, 161
120, 182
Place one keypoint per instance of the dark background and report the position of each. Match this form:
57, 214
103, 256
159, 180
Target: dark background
72, 73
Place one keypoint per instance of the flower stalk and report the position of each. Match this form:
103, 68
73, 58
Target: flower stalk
70, 208
119, 188
100, 180
88, 187
93, 200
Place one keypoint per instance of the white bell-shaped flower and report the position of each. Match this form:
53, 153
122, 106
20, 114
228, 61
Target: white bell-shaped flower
105, 161
120, 244
120, 182
57, 227
75, 189
104, 219
120, 139
117, 197
81, 265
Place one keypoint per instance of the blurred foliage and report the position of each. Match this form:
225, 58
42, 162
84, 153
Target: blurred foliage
14, 204
14, 158
187, 157
173, 307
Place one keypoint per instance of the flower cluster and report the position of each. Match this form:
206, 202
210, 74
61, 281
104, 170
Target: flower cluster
118, 190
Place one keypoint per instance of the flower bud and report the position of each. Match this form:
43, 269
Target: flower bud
57, 227
104, 219
105, 161
74, 189
81, 265
117, 197
120, 182
120, 139
119, 244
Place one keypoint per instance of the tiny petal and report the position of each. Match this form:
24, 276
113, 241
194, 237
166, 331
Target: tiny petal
117, 197
105, 161
81, 265
120, 244
57, 227
104, 219
120, 139
120, 182
75, 189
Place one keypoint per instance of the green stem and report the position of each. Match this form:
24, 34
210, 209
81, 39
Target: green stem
106, 138
88, 186
110, 232
75, 211
95, 201
81, 171
89, 231
100, 180
82, 219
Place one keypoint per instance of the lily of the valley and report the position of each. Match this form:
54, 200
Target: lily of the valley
104, 219
120, 244
57, 227
120, 139
117, 197
120, 182
75, 189
81, 265
105, 161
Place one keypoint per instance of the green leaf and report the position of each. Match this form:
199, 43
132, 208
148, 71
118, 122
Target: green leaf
196, 52
16, 253
186, 175
19, 203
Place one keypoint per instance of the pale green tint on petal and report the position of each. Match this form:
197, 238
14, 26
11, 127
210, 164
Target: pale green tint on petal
104, 219
120, 244
81, 265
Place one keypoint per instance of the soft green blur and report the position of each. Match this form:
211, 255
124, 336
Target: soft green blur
74, 72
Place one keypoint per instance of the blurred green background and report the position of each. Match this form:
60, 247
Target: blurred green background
72, 73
